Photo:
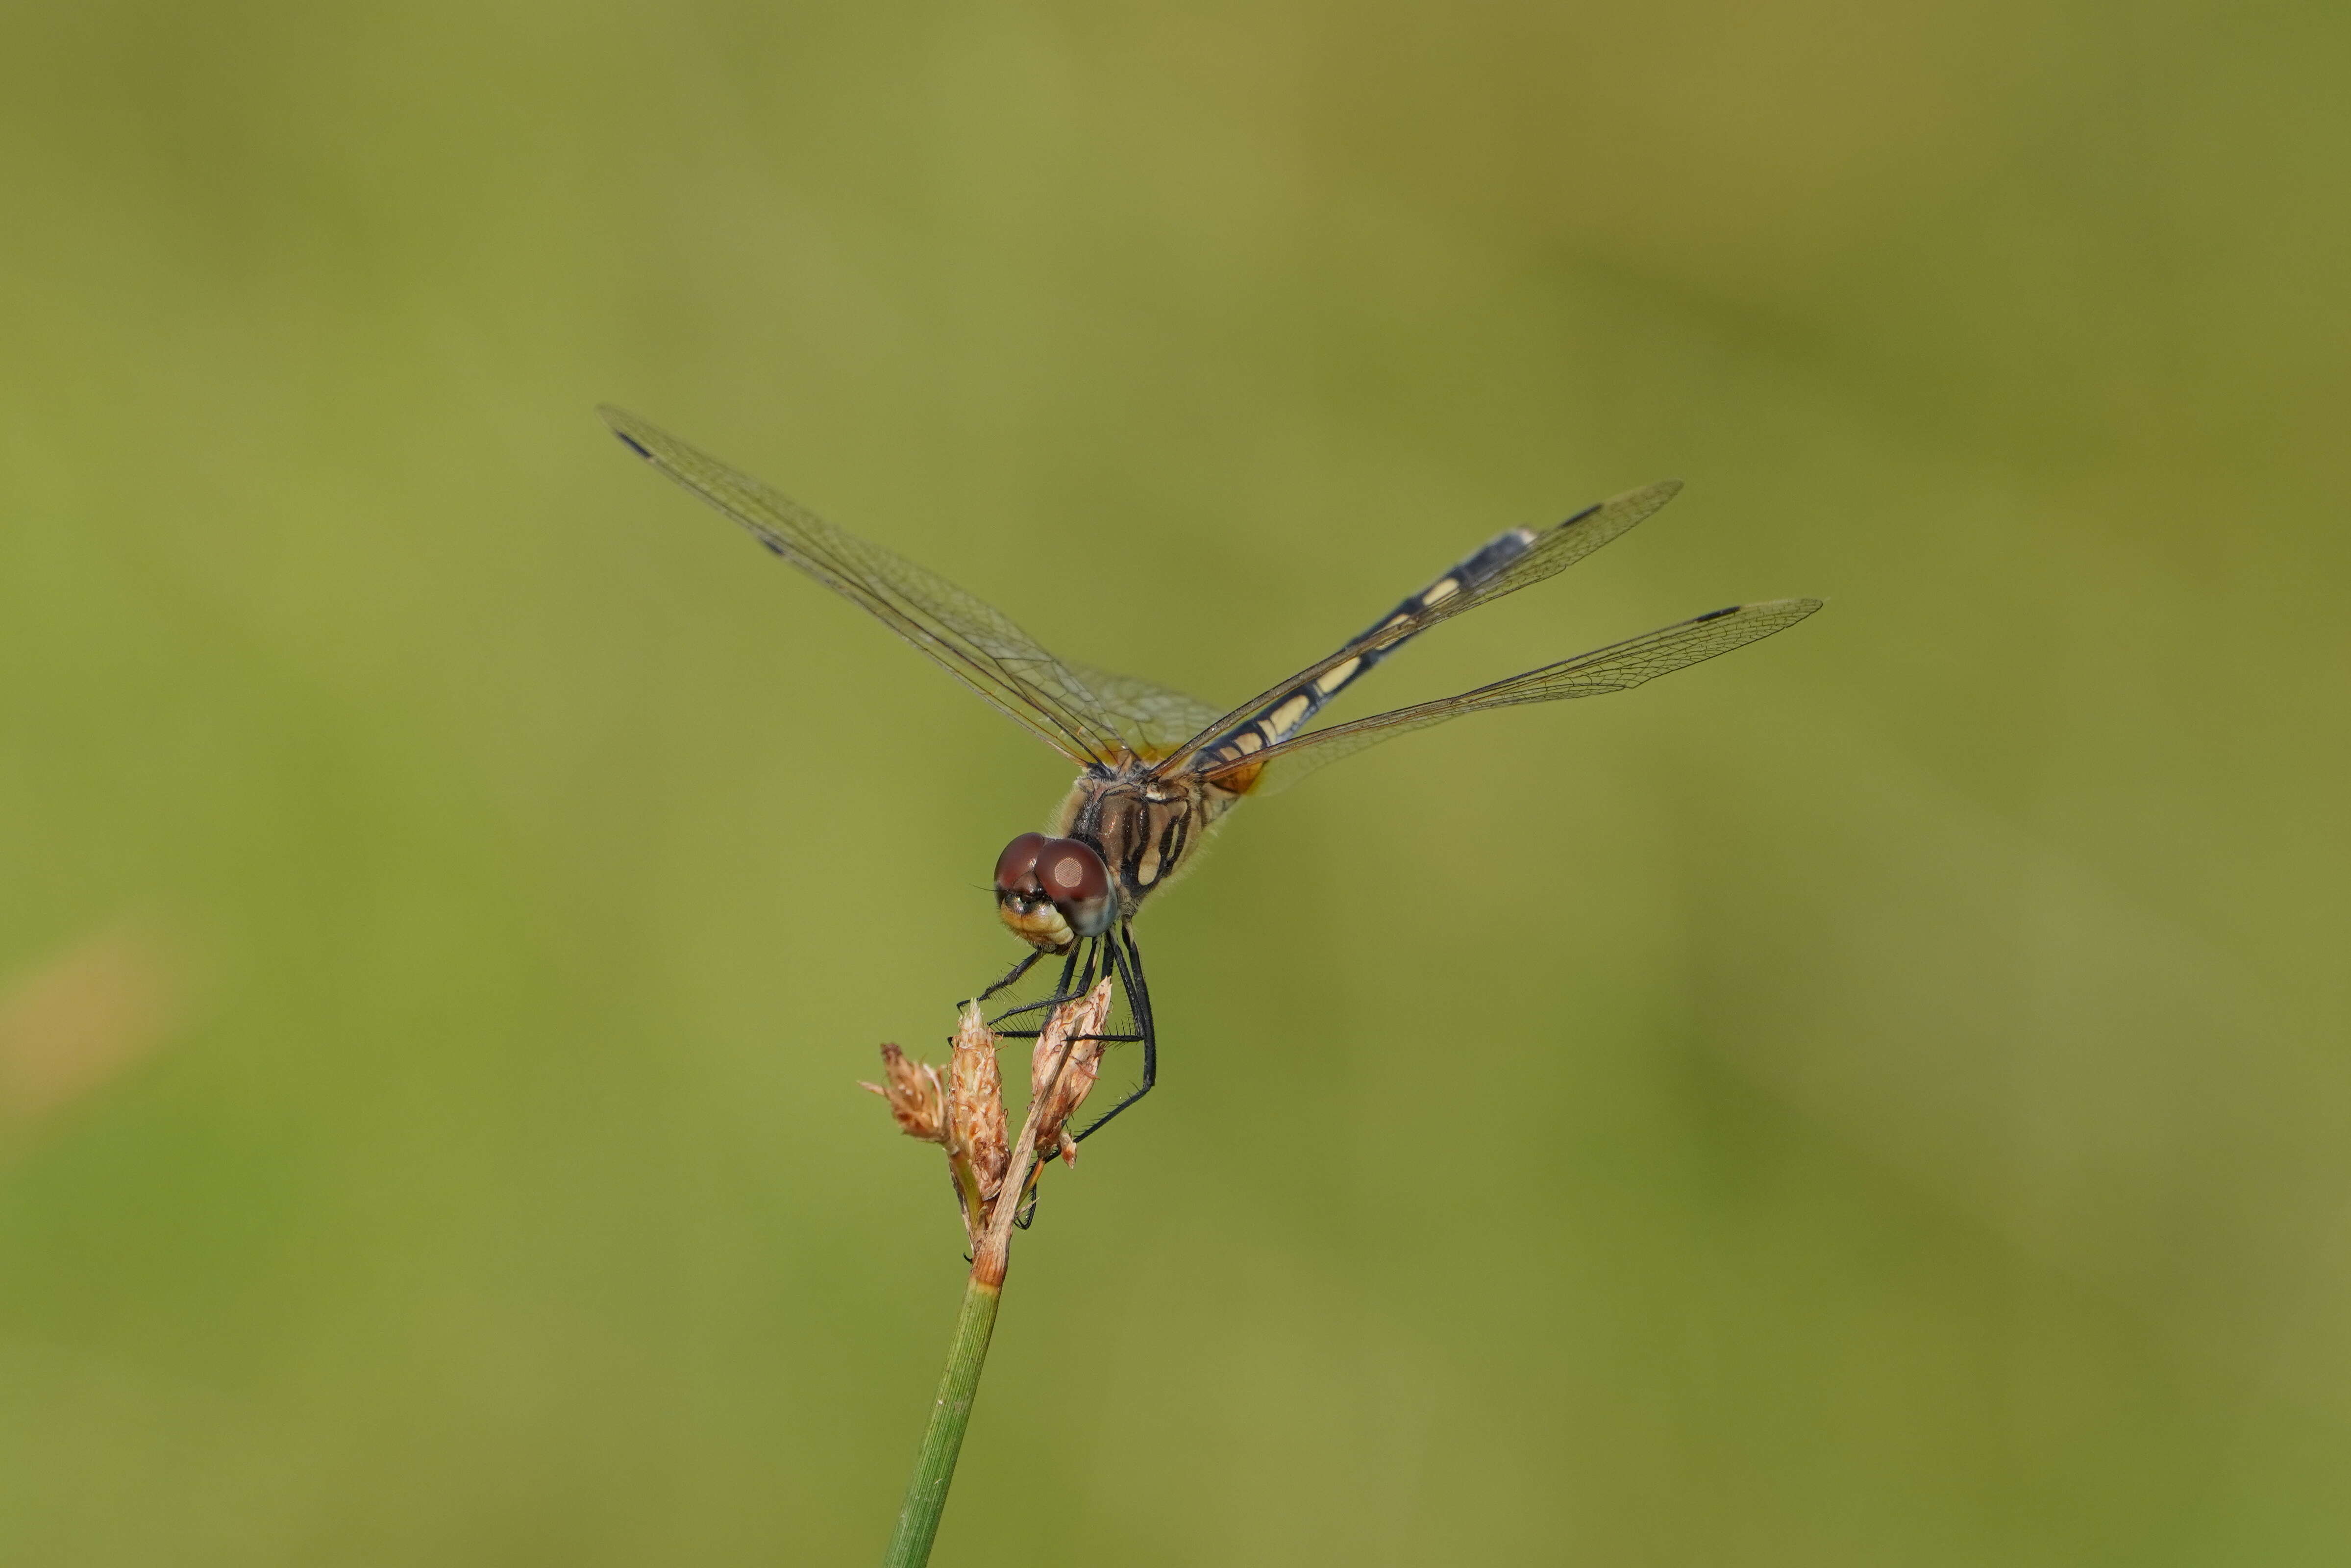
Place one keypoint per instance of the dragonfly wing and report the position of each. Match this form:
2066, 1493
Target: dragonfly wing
1552, 551
978, 643
1152, 720
1616, 668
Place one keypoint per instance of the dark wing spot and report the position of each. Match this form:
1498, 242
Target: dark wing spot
629, 442
1718, 614
772, 547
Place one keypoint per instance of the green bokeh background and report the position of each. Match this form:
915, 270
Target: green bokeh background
1879, 1098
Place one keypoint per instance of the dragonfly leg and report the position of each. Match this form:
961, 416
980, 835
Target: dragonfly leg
1129, 960
1014, 973
1062, 991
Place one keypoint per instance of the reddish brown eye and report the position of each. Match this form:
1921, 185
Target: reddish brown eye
1071, 872
1016, 868
1075, 879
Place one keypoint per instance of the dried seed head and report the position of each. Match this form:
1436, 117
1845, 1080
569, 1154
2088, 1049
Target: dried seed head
975, 1134
1077, 1023
914, 1095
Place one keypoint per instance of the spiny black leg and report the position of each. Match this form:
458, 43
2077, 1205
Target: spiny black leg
1033, 1033
1075, 983
1141, 992
1129, 959
1062, 992
1014, 973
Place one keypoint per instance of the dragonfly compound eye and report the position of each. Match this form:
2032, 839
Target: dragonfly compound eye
1075, 879
1016, 868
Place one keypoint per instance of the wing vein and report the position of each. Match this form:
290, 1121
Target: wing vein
1554, 550
1619, 667
973, 641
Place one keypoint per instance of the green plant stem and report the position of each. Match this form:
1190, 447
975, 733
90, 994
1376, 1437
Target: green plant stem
926, 1493
991, 1254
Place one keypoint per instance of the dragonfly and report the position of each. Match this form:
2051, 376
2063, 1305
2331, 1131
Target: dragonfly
1158, 771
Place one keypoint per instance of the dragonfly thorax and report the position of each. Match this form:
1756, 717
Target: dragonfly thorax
1145, 828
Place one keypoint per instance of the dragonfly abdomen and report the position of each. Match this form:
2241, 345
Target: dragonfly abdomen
1287, 714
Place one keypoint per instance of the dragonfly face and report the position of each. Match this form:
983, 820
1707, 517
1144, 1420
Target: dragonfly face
1159, 769
1121, 834
1053, 892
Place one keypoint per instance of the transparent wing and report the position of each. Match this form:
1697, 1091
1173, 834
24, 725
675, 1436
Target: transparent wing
1151, 718
978, 643
1617, 667
1555, 549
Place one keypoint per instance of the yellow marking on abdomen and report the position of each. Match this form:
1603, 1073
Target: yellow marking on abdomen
1282, 720
1333, 679
1441, 589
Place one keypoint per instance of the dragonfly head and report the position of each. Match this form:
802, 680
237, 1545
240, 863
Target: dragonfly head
1053, 892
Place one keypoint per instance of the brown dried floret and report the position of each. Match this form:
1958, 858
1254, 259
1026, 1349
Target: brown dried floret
916, 1097
1078, 1024
976, 1132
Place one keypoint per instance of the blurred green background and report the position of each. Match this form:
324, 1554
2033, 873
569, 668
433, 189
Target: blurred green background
1879, 1098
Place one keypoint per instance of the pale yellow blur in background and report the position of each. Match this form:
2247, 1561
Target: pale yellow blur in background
1879, 1098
